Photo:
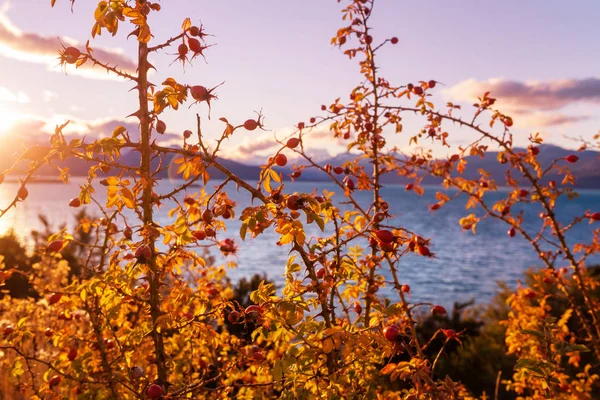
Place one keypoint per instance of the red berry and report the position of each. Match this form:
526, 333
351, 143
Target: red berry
55, 298
434, 207
349, 183
199, 235
368, 39
128, 233
418, 90
296, 174
405, 288
194, 31
23, 193
431, 84
71, 55
75, 202
394, 40
187, 134
48, 332
293, 202
55, 246
194, 45
391, 333
253, 311
182, 49
338, 170
292, 143
72, 354
143, 252
300, 125
161, 127
321, 273
8, 330
449, 333
572, 158
55, 380
409, 187
595, 216
207, 216
385, 236
357, 308
379, 217
424, 251
438, 310
534, 150
281, 160
511, 232
234, 317
313, 120
199, 93
523, 193
251, 124
154, 391
210, 232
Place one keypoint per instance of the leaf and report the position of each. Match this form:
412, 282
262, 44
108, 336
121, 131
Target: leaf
21, 322
532, 332
187, 24
388, 368
576, 347
243, 230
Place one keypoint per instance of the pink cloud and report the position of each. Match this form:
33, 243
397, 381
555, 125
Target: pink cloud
531, 103
545, 119
32, 47
548, 95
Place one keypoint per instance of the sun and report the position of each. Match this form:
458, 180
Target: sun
7, 119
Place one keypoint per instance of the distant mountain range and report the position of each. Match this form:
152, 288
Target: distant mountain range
586, 170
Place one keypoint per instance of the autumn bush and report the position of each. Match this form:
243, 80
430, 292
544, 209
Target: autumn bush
145, 315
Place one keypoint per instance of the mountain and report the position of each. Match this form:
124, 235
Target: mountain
586, 170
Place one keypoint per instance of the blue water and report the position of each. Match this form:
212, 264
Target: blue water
466, 265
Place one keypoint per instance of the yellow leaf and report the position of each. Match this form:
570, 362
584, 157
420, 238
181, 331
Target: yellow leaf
187, 24
388, 368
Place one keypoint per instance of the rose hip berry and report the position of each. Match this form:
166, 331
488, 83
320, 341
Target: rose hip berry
391, 333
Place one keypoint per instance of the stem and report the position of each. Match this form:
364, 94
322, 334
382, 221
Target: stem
147, 183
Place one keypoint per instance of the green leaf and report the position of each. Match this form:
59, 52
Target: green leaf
576, 347
533, 332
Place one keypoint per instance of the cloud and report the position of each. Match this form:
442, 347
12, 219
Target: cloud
536, 102
548, 95
49, 95
8, 96
29, 129
546, 119
256, 146
32, 47
318, 143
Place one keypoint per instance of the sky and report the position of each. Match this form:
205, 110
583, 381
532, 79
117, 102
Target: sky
540, 59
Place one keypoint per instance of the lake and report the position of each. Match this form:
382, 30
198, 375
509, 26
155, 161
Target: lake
466, 265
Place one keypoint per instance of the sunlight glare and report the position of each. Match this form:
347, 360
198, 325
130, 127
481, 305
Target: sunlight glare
7, 119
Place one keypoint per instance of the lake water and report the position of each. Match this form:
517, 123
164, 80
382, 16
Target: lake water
466, 265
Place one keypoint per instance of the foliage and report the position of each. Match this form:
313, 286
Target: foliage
144, 315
